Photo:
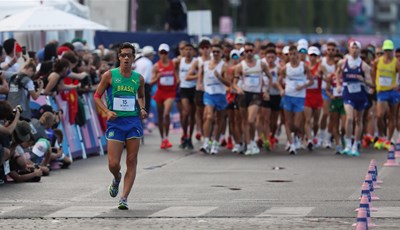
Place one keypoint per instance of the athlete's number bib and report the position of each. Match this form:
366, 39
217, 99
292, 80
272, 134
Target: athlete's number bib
314, 85
336, 93
385, 81
354, 88
167, 80
124, 104
252, 80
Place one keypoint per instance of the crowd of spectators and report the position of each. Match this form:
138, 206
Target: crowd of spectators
31, 141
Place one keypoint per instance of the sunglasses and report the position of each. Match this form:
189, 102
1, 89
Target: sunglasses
379, 53
124, 55
330, 49
216, 51
163, 52
249, 51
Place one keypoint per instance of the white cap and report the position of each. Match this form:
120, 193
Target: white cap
240, 40
147, 50
137, 47
285, 50
234, 52
164, 47
313, 50
302, 43
241, 51
41, 147
356, 43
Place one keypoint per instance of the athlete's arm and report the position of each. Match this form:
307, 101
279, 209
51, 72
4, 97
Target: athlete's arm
322, 72
222, 77
374, 68
328, 86
310, 79
338, 74
191, 75
237, 74
176, 63
200, 78
154, 75
367, 73
105, 82
281, 76
141, 99
267, 72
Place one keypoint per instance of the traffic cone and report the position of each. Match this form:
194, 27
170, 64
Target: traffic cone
373, 162
391, 160
365, 192
371, 171
365, 204
368, 179
397, 150
362, 222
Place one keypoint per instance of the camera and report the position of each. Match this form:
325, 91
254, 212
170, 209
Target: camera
11, 116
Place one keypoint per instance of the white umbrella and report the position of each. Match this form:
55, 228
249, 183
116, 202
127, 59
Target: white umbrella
45, 18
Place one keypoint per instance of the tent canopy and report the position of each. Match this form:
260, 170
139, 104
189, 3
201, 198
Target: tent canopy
46, 18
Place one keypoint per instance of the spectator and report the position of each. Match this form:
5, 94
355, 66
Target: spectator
54, 80
13, 53
8, 121
144, 66
22, 88
20, 169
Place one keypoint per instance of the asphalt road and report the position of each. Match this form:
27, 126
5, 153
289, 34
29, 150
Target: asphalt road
177, 189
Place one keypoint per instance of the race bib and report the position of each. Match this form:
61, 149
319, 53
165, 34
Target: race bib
336, 93
315, 85
167, 80
252, 80
124, 104
385, 81
354, 88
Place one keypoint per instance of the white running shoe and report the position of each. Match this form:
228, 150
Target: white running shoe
328, 144
292, 150
249, 149
237, 148
287, 148
214, 148
255, 150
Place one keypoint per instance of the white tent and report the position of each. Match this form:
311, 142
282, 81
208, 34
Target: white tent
33, 39
46, 18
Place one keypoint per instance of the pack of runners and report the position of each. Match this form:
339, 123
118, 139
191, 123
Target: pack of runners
240, 96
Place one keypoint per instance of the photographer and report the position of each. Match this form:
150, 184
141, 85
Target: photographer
8, 122
22, 88
4, 89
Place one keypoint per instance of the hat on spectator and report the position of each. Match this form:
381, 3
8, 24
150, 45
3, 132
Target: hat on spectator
77, 39
388, 45
137, 47
23, 131
240, 40
147, 50
62, 49
302, 43
313, 50
78, 46
164, 47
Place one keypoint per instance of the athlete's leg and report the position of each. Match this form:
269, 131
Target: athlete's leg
132, 149
167, 109
160, 116
114, 153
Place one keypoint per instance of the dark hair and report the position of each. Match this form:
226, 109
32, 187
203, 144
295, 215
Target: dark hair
264, 47
271, 45
249, 44
397, 50
60, 64
126, 45
331, 44
189, 45
9, 45
271, 51
45, 68
70, 56
217, 45
50, 52
292, 47
1, 50
6, 111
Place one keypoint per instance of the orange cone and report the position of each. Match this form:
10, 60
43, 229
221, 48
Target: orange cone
362, 222
391, 160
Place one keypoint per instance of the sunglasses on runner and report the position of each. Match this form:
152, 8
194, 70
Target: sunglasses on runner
249, 51
163, 52
124, 55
